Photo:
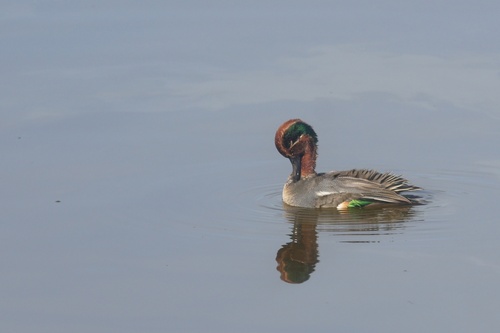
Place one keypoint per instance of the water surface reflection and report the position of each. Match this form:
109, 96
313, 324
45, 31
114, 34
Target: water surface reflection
297, 259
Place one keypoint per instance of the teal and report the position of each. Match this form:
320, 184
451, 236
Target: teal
297, 141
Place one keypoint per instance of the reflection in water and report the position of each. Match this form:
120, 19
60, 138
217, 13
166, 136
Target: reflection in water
298, 258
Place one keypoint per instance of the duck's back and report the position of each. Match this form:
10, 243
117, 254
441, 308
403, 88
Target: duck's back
335, 188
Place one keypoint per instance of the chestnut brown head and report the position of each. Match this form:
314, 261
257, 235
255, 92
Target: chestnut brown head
297, 141
291, 137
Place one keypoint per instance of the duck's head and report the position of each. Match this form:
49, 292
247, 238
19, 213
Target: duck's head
296, 140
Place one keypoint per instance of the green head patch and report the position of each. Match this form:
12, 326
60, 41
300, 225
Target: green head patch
294, 132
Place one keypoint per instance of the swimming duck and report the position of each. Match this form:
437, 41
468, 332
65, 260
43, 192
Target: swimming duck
297, 141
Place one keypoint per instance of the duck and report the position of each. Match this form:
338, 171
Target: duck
297, 141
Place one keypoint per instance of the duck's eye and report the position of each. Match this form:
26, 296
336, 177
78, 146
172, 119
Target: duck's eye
293, 143
291, 139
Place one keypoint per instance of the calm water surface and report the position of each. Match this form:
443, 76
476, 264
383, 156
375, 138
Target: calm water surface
141, 189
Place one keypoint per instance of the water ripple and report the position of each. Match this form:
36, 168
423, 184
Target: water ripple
258, 211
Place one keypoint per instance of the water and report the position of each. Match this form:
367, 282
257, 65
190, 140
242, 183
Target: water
141, 186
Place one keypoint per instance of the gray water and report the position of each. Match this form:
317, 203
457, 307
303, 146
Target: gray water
141, 186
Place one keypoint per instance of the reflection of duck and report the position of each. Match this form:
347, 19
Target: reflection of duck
297, 259
355, 225
297, 141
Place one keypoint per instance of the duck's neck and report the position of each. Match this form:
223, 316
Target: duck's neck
308, 163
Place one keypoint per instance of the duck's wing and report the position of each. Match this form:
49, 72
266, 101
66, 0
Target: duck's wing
361, 184
387, 180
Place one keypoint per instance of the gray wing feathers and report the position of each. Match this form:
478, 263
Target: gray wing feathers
387, 180
363, 184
